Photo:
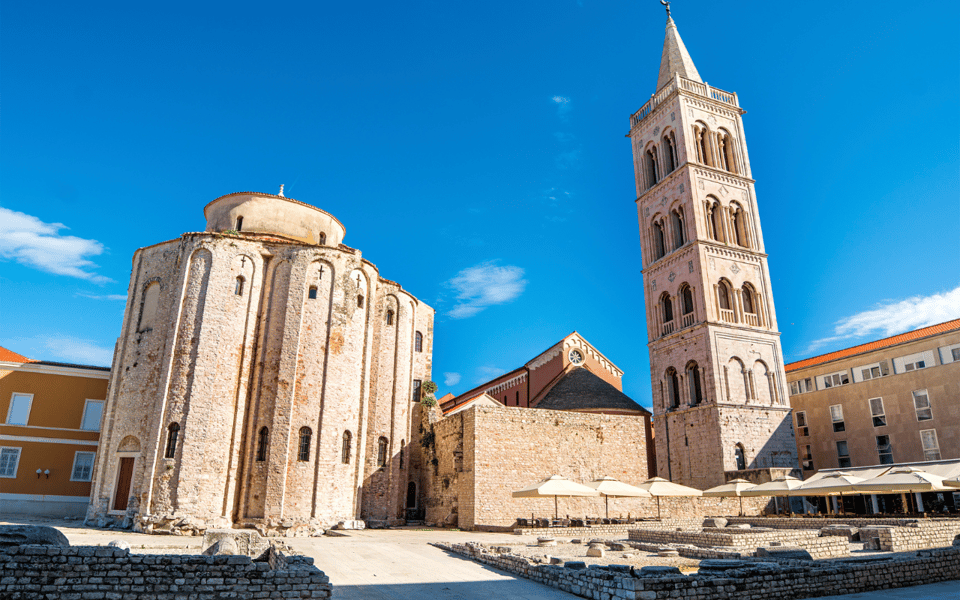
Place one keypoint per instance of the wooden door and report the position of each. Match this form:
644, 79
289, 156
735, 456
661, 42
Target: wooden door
123, 484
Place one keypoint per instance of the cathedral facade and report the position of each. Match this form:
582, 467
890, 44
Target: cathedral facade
265, 375
721, 407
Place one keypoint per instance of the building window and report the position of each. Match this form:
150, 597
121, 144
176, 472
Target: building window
92, 413
693, 379
418, 342
884, 450
807, 459
389, 317
239, 226
687, 296
740, 458
912, 362
238, 288
669, 146
82, 466
931, 447
659, 247
19, 412
874, 371
382, 452
803, 430
360, 301
801, 386
173, 433
400, 455
833, 380
345, 450
922, 403
418, 390
303, 455
9, 460
836, 415
322, 238
723, 293
262, 439
877, 412
518, 398
676, 218
673, 388
667, 306
843, 454
312, 294
739, 223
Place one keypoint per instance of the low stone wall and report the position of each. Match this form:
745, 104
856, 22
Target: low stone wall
820, 523
745, 540
103, 572
758, 581
817, 548
606, 530
895, 535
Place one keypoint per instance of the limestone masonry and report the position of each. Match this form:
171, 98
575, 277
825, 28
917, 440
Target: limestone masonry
265, 375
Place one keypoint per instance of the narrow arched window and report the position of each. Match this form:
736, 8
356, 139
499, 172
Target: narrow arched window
669, 153
687, 296
678, 234
701, 137
651, 171
148, 306
389, 317
693, 379
239, 226
312, 293
748, 303
723, 293
740, 457
402, 442
673, 387
345, 449
418, 342
667, 305
739, 223
303, 453
173, 433
262, 439
322, 238
714, 216
727, 151
238, 288
659, 247
360, 301
382, 452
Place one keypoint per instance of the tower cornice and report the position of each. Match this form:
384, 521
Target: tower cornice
678, 255
699, 169
688, 88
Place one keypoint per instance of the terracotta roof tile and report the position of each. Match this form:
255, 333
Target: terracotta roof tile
11, 356
902, 338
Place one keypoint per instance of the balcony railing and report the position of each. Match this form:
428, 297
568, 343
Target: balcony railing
727, 315
752, 319
687, 85
688, 320
668, 328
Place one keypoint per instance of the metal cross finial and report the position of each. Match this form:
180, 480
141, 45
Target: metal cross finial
667, 4
281, 185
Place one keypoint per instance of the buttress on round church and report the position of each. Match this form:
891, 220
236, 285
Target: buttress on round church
263, 376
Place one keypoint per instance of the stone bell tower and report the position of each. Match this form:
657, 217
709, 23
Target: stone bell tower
720, 403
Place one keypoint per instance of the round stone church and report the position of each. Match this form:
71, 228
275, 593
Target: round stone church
265, 375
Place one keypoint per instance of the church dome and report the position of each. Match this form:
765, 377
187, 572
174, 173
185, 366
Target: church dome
250, 212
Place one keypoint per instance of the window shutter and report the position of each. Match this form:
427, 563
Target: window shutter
929, 439
884, 368
876, 406
836, 412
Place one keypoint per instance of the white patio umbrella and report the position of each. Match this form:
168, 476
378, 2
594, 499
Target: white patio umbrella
555, 486
831, 484
778, 487
734, 487
608, 486
658, 486
900, 480
952, 482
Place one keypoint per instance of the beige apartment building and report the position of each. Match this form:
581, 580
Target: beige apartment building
895, 400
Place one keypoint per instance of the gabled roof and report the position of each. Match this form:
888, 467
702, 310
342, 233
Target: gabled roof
478, 400
895, 340
675, 58
11, 356
580, 389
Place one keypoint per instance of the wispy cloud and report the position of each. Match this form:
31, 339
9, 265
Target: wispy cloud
451, 379
31, 242
566, 160
563, 106
895, 316
63, 348
564, 137
104, 297
484, 285
488, 372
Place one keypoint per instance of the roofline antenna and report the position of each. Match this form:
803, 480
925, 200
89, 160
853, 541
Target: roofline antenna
665, 3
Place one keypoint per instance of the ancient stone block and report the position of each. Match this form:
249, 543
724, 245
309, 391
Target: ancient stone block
24, 535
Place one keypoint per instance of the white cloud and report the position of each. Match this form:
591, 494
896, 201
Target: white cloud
451, 379
484, 285
62, 348
31, 242
487, 372
104, 297
892, 317
563, 106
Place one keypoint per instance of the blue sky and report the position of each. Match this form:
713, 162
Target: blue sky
476, 154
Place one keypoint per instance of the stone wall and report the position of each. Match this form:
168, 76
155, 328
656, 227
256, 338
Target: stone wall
895, 535
744, 581
745, 540
98, 572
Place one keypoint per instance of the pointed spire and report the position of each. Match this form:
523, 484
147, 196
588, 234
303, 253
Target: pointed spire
675, 58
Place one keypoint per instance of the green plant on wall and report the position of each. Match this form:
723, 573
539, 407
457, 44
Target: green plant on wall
429, 401
429, 387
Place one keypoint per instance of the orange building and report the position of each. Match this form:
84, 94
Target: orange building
50, 416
